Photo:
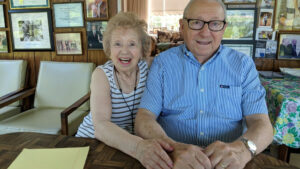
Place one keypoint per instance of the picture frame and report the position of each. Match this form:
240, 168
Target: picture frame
260, 49
2, 16
288, 46
94, 34
240, 24
21, 4
265, 18
287, 17
3, 42
243, 48
68, 15
31, 29
265, 34
96, 9
68, 43
239, 1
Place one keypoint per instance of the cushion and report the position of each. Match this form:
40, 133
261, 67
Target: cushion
291, 71
12, 73
41, 120
60, 84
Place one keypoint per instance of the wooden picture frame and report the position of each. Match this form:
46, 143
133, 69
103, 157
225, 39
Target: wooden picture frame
31, 29
68, 15
265, 18
94, 39
3, 42
2, 16
68, 43
240, 24
288, 46
287, 17
239, 1
21, 4
96, 9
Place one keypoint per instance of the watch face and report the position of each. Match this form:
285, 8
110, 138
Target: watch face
251, 145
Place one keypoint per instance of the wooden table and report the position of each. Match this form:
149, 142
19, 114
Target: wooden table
100, 155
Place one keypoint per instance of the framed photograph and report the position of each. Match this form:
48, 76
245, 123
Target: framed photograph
96, 9
94, 35
265, 18
239, 1
243, 48
3, 42
265, 34
2, 17
287, 15
68, 43
240, 24
266, 3
21, 4
271, 48
68, 15
288, 46
31, 29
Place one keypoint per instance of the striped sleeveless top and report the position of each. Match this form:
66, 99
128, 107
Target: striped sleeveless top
121, 115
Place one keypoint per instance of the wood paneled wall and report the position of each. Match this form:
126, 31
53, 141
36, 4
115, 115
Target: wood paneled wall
96, 56
34, 57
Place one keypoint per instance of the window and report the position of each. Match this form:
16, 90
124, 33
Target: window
165, 14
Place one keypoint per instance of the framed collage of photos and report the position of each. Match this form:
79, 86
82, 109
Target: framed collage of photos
31, 29
68, 15
287, 15
68, 43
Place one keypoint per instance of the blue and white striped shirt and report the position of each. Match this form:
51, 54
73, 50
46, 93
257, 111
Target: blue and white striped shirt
199, 104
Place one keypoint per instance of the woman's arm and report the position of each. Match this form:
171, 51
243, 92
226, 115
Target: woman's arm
116, 137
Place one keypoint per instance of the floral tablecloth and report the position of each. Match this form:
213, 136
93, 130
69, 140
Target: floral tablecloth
283, 100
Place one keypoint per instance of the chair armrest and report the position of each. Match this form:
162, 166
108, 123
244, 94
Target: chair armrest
18, 96
11, 93
64, 115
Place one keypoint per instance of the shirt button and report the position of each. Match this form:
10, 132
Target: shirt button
201, 112
202, 68
201, 133
202, 90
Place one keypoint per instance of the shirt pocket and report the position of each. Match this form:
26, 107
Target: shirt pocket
227, 103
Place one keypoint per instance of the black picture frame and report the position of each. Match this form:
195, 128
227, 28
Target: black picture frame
31, 30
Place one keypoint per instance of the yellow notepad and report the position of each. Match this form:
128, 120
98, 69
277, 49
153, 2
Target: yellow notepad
52, 158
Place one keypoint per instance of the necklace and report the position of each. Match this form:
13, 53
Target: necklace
130, 110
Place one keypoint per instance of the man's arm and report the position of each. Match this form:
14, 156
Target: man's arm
183, 155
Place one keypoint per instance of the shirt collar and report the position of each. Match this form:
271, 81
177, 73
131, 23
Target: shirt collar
193, 59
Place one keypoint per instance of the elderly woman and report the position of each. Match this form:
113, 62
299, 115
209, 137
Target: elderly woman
116, 90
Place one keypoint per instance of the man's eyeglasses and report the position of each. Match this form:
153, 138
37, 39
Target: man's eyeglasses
215, 25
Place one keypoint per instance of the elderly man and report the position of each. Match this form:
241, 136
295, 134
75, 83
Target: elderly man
198, 94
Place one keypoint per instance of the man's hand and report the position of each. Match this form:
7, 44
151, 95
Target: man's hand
152, 154
189, 156
228, 155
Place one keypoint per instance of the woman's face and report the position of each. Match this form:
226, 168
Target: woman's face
126, 49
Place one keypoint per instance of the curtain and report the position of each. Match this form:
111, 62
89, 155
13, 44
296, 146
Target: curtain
139, 7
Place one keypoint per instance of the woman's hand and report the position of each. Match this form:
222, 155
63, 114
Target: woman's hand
153, 154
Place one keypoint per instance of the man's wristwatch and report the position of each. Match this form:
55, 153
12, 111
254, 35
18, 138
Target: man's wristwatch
250, 146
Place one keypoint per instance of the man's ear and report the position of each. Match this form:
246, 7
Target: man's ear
181, 27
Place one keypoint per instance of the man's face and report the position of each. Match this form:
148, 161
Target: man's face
203, 43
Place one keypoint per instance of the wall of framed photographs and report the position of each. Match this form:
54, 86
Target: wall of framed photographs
266, 30
54, 30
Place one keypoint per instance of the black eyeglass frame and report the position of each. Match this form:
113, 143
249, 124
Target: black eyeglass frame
188, 21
